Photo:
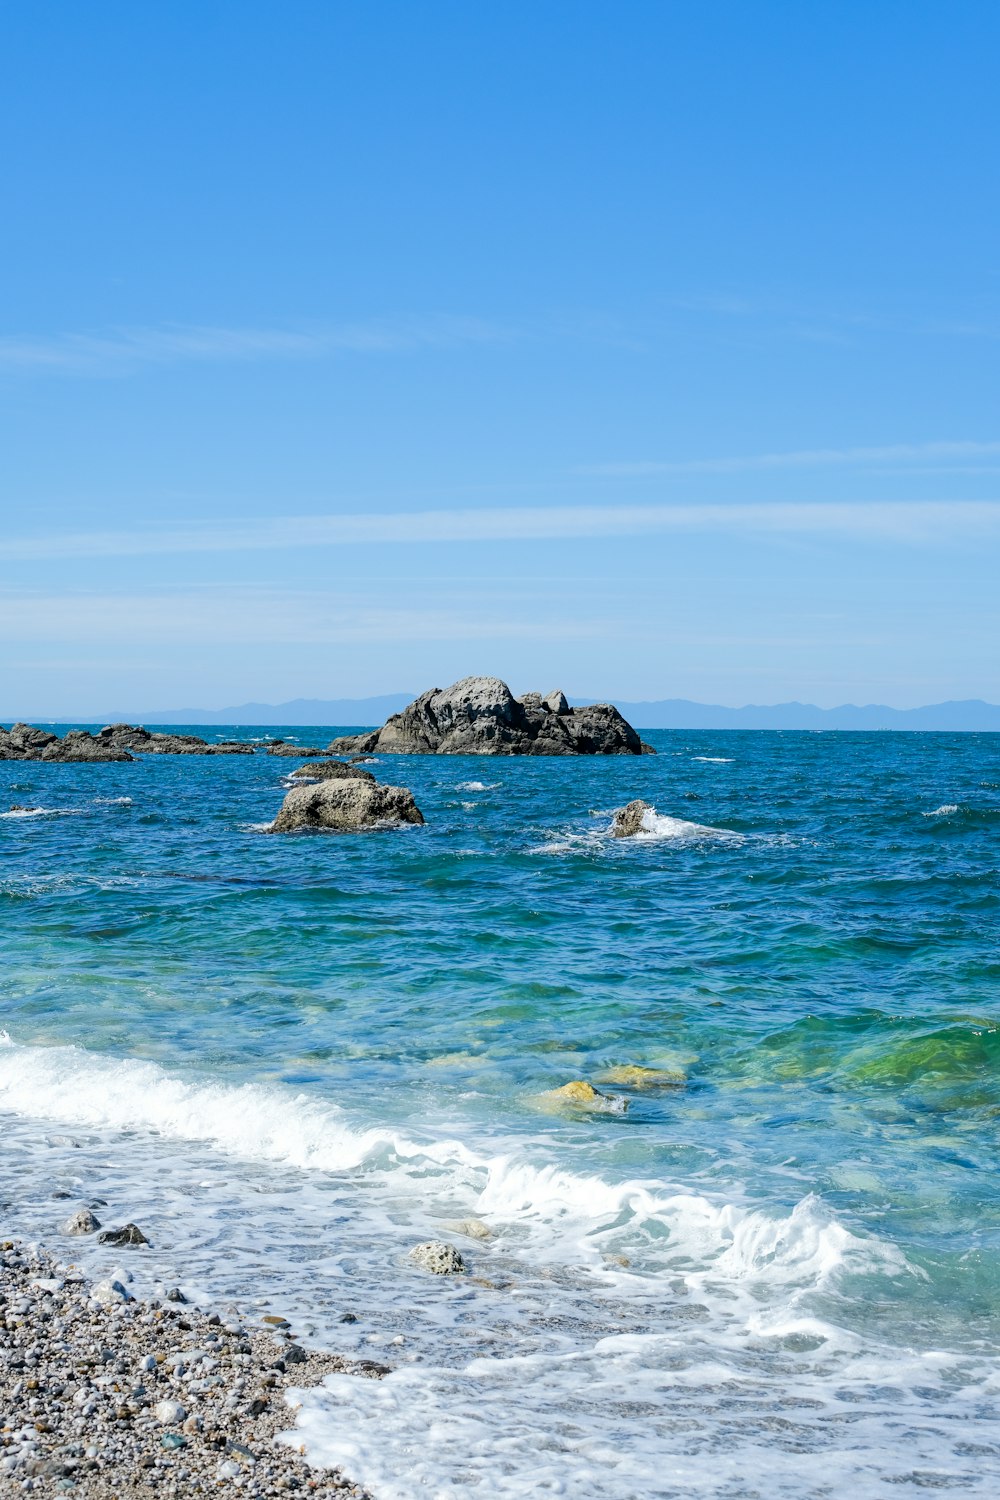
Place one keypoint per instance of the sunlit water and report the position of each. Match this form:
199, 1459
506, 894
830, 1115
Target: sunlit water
290, 1058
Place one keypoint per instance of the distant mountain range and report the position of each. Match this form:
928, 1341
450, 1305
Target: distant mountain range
666, 713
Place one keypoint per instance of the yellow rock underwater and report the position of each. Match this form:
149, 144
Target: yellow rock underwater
581, 1095
631, 1076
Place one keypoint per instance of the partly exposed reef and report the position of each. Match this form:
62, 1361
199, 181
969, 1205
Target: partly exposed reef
284, 747
156, 742
113, 742
481, 716
24, 742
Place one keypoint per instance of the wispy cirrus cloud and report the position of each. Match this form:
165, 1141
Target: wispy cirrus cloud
914, 522
906, 455
119, 351
242, 616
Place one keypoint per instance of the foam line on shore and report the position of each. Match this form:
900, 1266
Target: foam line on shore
548, 1209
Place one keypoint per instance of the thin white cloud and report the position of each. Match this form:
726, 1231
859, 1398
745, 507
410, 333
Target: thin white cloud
242, 616
907, 454
121, 350
916, 522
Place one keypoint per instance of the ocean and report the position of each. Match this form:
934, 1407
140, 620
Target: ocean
769, 1266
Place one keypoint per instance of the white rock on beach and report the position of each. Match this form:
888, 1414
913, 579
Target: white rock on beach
169, 1413
109, 1292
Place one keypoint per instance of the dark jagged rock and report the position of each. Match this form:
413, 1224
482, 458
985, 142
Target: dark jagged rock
346, 805
129, 1234
114, 742
331, 770
79, 745
24, 742
481, 716
157, 742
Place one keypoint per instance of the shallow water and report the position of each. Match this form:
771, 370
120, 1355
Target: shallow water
290, 1058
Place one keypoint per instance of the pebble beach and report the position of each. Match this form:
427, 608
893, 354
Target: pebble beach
105, 1394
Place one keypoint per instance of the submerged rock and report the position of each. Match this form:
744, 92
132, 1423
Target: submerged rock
481, 716
346, 805
82, 1222
631, 1075
475, 1229
331, 770
438, 1257
628, 820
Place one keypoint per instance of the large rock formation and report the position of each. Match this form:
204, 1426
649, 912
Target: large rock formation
481, 716
346, 805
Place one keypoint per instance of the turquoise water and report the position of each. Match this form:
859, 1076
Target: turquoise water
776, 1271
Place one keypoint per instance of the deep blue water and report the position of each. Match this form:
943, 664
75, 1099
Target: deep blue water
787, 1245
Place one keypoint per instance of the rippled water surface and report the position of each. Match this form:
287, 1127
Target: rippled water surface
776, 1272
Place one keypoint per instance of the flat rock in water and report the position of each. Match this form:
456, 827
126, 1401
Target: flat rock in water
346, 805
331, 770
282, 747
481, 716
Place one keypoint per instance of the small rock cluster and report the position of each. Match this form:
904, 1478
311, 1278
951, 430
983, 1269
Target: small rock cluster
111, 1398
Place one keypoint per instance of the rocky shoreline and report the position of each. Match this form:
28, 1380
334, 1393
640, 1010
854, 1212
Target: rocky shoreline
105, 1395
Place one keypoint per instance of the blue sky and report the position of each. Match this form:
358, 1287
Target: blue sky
646, 349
